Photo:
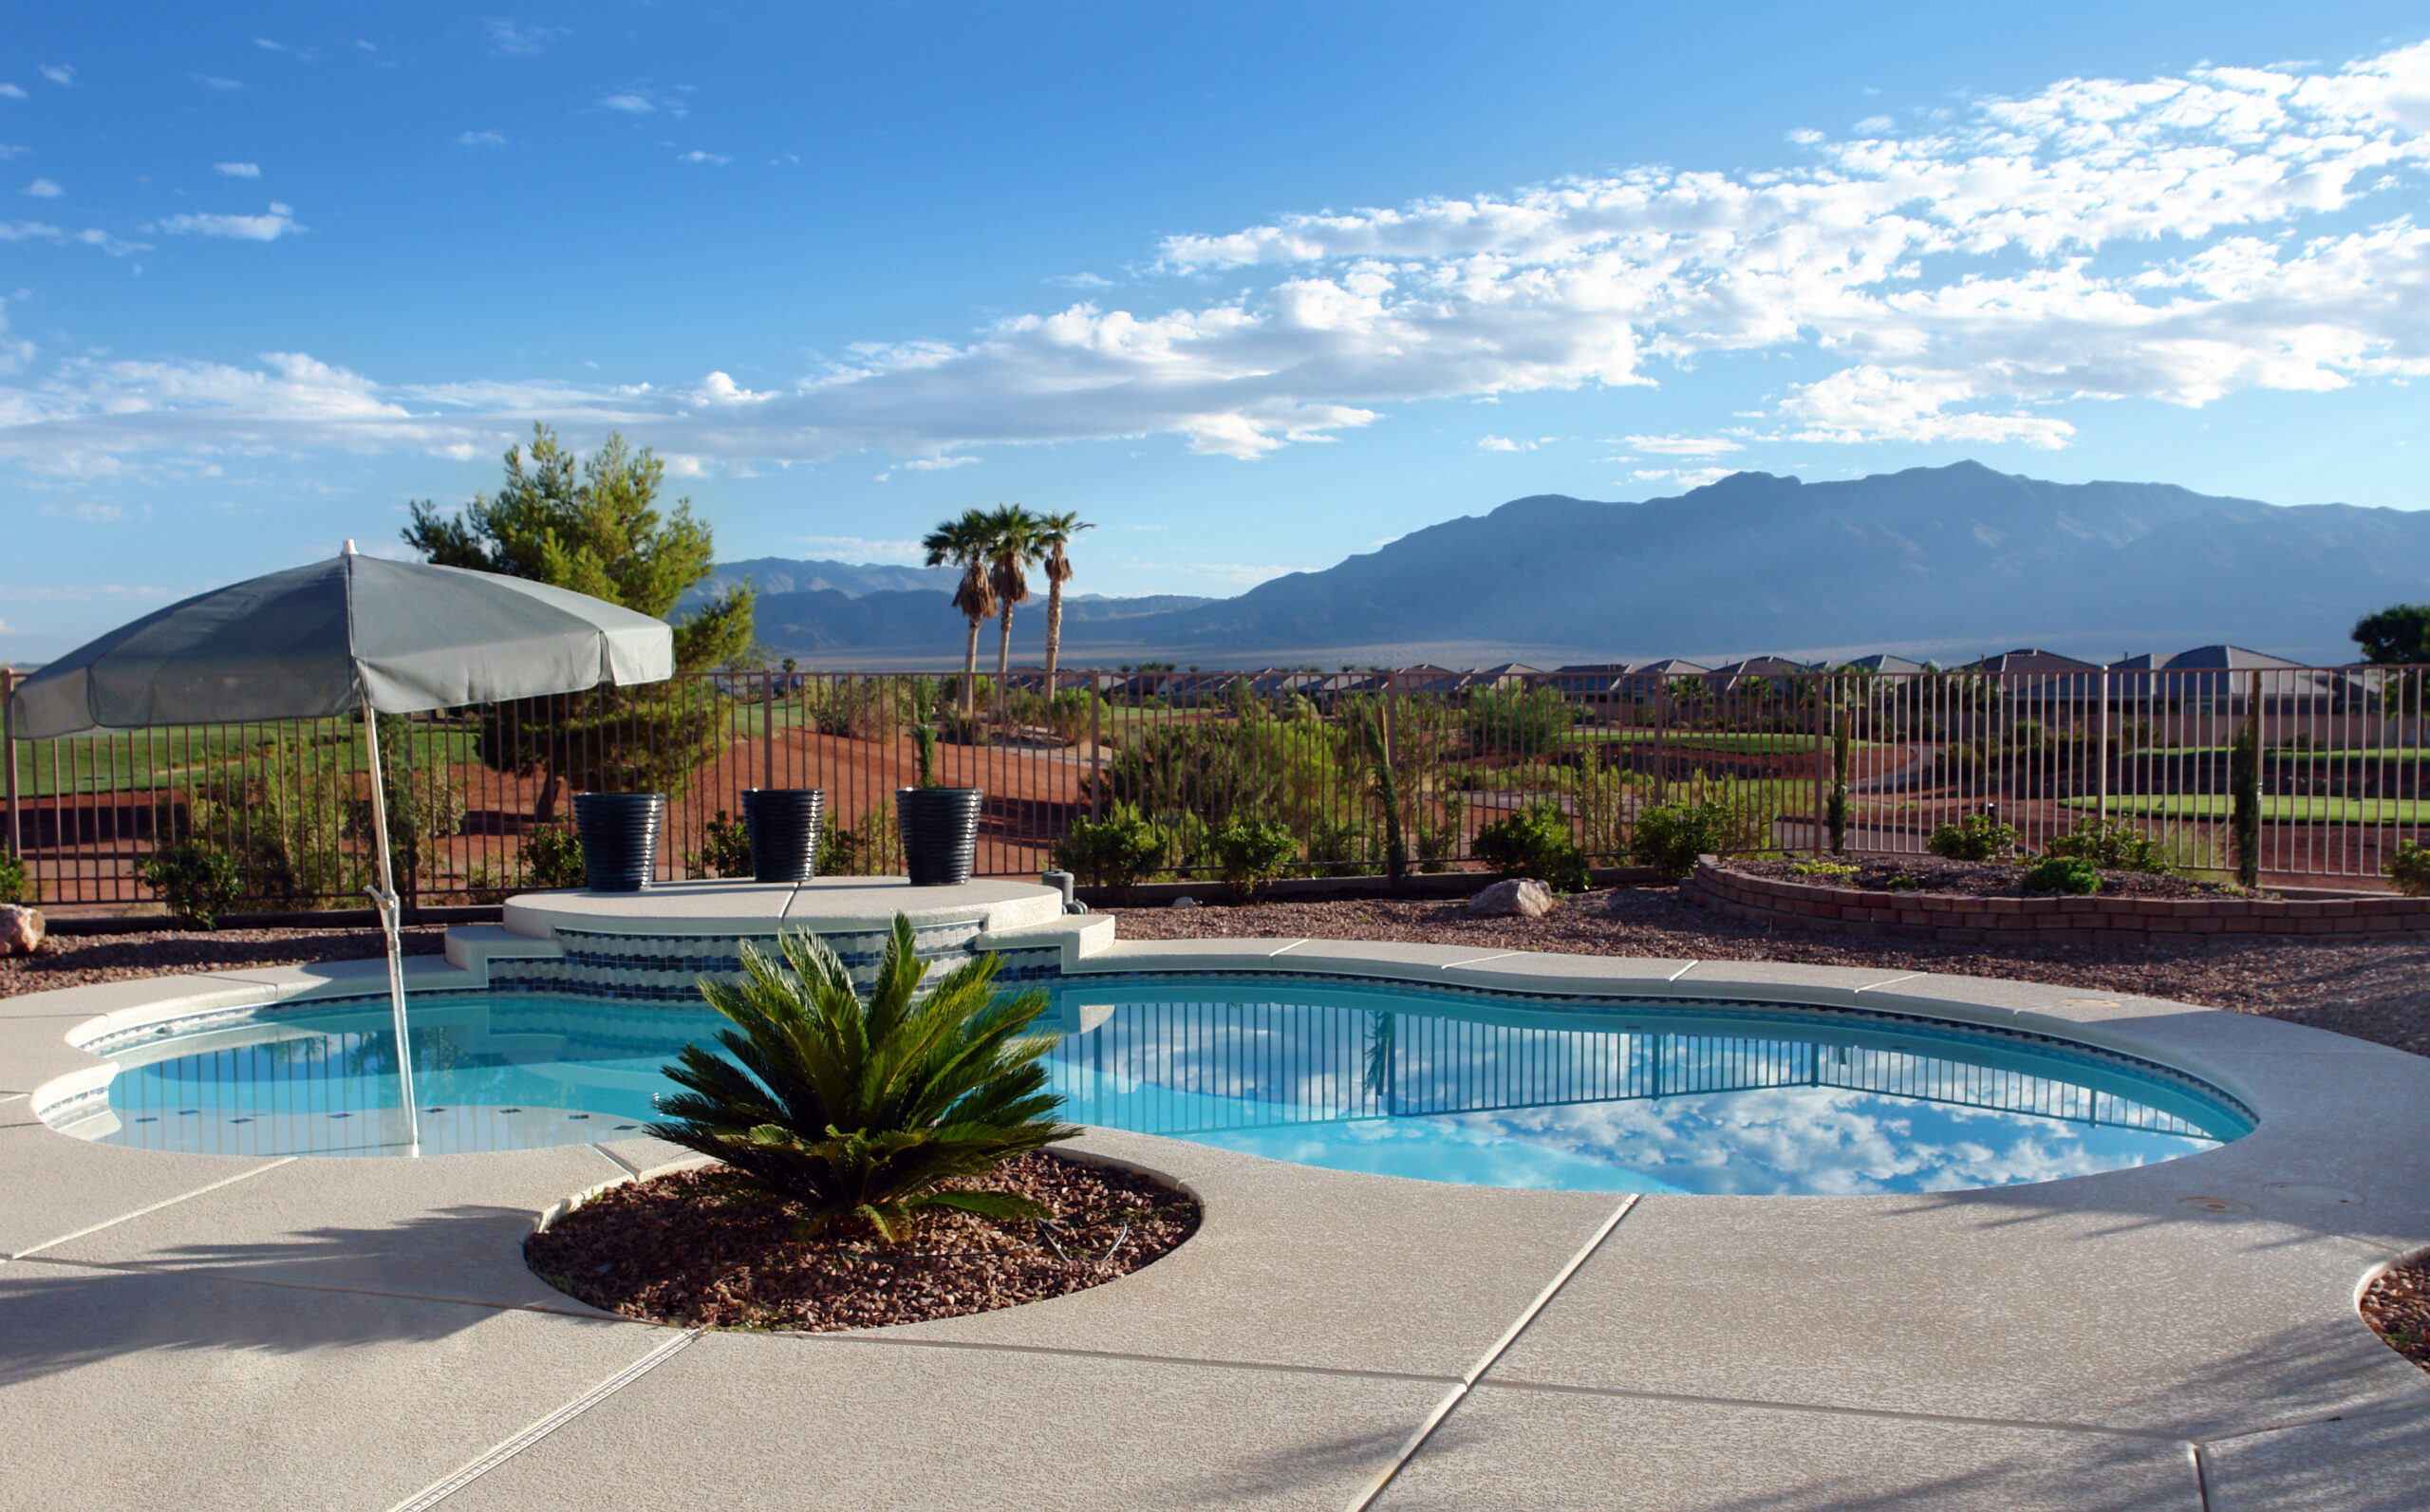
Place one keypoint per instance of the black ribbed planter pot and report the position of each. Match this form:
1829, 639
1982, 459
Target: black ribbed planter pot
619, 833
939, 833
783, 823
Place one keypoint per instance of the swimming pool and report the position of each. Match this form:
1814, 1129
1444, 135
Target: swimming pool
1440, 1084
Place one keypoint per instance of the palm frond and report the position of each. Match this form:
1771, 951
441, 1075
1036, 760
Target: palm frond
856, 1108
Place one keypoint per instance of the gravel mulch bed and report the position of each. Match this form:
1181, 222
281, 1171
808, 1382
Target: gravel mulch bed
1983, 878
2398, 1307
676, 1249
78, 960
2372, 990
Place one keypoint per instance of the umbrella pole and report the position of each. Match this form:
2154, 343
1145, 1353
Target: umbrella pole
384, 896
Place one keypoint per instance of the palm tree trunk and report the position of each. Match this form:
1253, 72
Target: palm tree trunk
1003, 660
1054, 630
970, 675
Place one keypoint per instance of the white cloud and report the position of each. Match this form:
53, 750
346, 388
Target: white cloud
1498, 443
279, 221
9, 91
43, 189
59, 73
1081, 281
642, 99
2178, 239
860, 548
93, 513
43, 232
939, 464
239, 170
10, 150
480, 139
697, 156
1685, 445
1875, 125
510, 40
215, 82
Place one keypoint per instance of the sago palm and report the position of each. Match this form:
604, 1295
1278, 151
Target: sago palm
1053, 533
858, 1110
964, 543
1012, 545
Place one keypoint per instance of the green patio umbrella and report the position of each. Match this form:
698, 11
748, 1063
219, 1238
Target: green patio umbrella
352, 633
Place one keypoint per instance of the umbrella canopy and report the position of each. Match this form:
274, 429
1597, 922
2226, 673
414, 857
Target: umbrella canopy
351, 632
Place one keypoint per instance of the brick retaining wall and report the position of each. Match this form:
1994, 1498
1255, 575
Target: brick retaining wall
2058, 918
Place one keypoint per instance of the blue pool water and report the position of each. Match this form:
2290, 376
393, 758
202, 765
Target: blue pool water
1443, 1084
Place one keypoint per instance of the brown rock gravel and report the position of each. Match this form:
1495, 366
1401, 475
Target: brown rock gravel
2397, 1305
78, 960
676, 1249
2377, 991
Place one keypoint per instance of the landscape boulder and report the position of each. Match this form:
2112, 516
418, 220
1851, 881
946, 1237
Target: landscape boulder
1522, 896
20, 930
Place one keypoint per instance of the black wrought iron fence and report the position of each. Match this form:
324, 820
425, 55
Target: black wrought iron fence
1358, 774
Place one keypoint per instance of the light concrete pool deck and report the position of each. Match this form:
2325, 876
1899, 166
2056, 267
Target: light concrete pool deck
209, 1332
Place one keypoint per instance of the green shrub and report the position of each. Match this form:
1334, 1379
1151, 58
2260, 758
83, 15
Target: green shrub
2062, 874
16, 886
2410, 868
858, 1111
1343, 847
1114, 851
2112, 845
1514, 722
1977, 837
1073, 712
725, 848
873, 847
1251, 852
1670, 836
1534, 842
198, 880
1437, 827
553, 858
1827, 870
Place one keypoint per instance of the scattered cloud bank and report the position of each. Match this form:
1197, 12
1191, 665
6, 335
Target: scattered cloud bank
2176, 239
239, 170
279, 220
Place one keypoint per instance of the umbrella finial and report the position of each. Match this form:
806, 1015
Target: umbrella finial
349, 546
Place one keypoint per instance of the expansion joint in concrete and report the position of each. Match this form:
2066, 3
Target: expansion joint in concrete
439, 1491
1451, 1400
167, 1202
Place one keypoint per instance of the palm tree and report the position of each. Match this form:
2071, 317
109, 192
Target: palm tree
1054, 532
1011, 548
964, 543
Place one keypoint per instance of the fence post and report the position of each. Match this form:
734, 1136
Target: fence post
1823, 694
2101, 752
767, 731
1096, 746
8, 742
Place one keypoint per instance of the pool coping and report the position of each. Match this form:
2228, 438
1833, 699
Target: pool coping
2334, 1173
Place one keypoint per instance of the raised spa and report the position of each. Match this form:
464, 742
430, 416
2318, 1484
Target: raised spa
1581, 1094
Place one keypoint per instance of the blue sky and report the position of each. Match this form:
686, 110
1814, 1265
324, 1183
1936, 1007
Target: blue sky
1252, 287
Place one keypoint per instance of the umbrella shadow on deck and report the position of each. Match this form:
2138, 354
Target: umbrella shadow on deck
417, 1281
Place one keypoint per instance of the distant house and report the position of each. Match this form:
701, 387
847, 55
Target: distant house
1738, 677
1653, 679
1507, 675
1881, 664
2031, 673
2216, 674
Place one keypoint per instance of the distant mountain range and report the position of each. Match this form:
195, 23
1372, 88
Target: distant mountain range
1949, 562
